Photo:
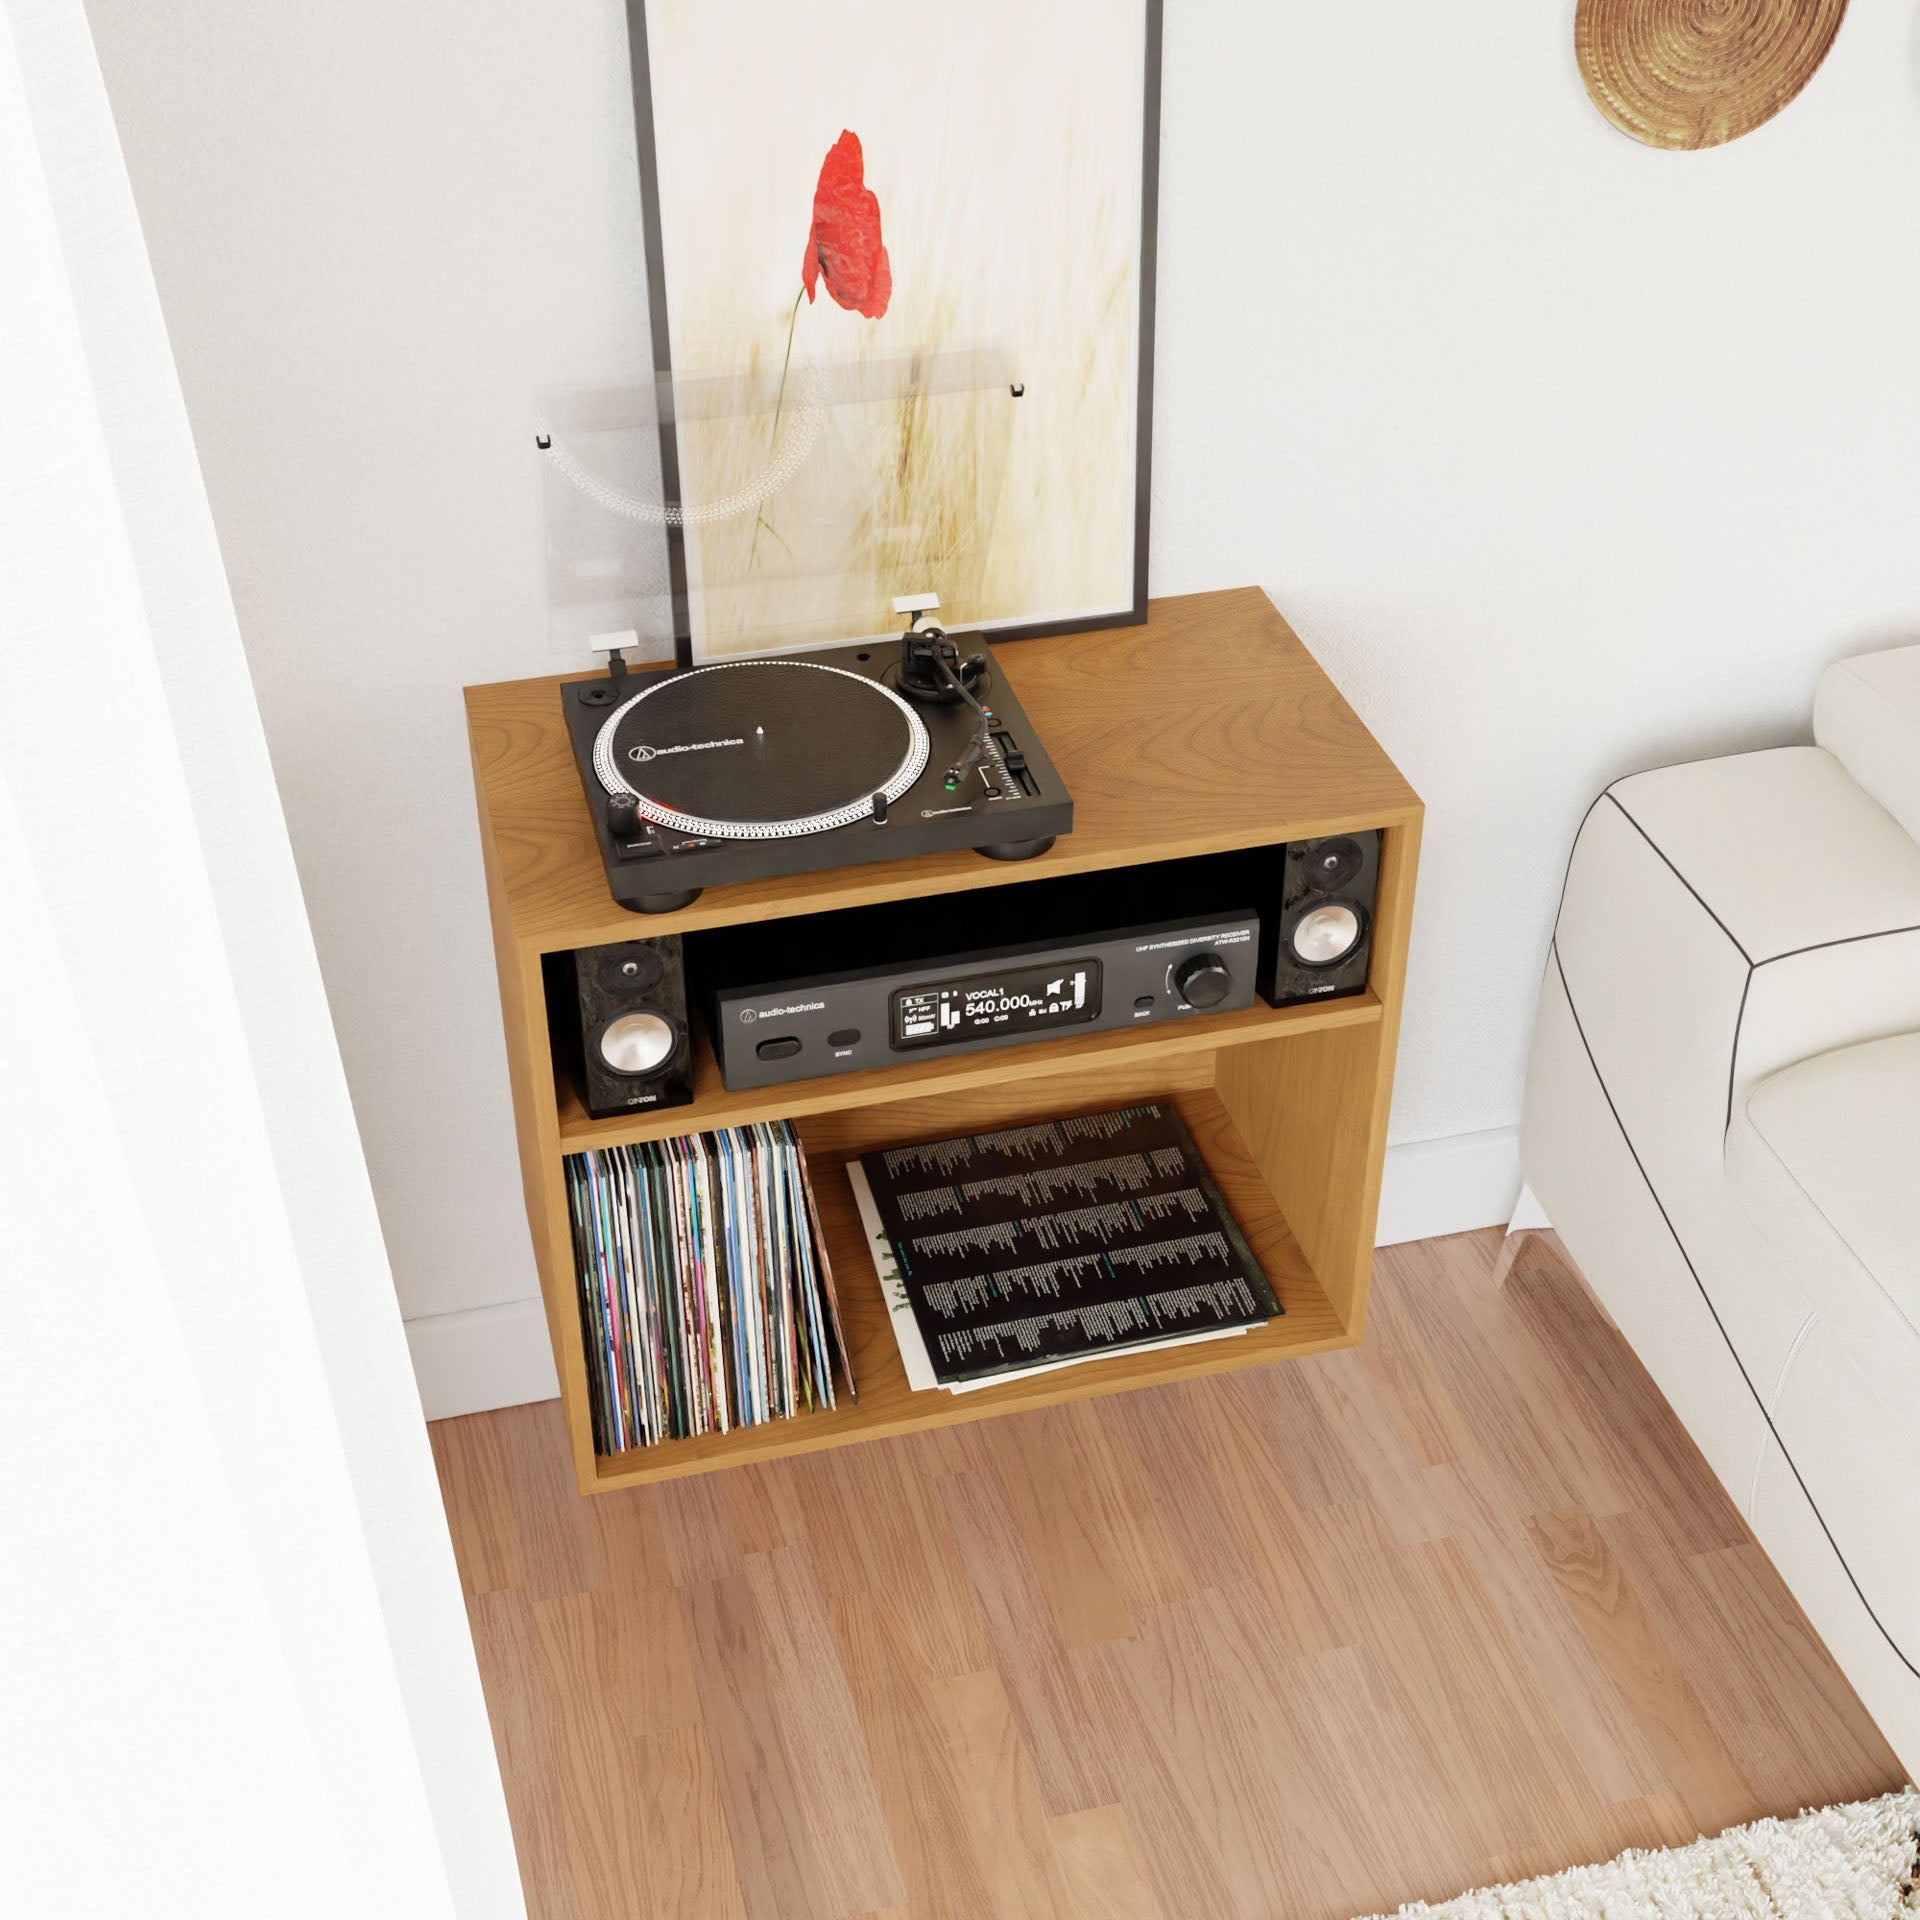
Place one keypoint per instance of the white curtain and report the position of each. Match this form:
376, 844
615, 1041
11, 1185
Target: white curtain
235, 1672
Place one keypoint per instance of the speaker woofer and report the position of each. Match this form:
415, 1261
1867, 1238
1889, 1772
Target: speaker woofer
1324, 936
637, 1044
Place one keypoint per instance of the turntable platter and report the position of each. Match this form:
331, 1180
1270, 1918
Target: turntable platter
761, 749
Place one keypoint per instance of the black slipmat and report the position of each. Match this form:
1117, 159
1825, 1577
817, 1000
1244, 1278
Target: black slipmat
781, 711
741, 769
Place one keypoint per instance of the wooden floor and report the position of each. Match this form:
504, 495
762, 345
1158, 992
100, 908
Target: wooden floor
1305, 1641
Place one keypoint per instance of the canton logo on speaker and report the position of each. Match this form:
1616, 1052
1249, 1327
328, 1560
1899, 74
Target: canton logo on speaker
643, 753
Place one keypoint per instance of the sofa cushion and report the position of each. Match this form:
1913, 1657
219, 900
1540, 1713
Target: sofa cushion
1867, 715
1824, 1157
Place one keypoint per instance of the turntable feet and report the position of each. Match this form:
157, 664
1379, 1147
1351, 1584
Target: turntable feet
662, 902
1016, 849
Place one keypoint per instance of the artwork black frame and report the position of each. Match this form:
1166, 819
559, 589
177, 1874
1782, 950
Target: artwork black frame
646, 154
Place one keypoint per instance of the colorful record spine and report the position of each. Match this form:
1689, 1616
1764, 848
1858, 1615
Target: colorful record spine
706, 1299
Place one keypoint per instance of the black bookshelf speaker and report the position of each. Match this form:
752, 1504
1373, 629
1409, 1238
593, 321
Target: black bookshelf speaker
1318, 947
623, 1014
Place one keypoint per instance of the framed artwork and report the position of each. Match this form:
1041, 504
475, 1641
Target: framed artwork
901, 272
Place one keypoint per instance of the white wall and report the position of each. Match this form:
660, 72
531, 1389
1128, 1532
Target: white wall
230, 1617
1566, 456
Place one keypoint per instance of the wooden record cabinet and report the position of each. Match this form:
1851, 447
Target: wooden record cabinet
1209, 728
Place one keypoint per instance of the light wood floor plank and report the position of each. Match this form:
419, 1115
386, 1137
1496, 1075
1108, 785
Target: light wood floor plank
1245, 1481
1313, 1460
1059, 1495
696, 1526
1615, 1403
1000, 1797
1588, 1706
480, 1516
538, 1773
1175, 1734
914, 1767
1504, 1379
1410, 1385
1689, 1747
1352, 1409
1343, 1772
1756, 1665
556, 1544
765, 1508
1156, 1429
1475, 1706
775, 1852
876, 1525
834, 1793
686, 1853
1308, 1640
1027, 1649
1100, 1867
594, 1752
641, 1645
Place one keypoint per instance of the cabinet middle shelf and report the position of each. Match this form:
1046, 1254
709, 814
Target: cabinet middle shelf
713, 1106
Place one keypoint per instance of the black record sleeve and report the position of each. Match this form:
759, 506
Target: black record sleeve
1036, 1244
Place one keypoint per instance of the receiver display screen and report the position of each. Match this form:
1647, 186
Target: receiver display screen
1065, 993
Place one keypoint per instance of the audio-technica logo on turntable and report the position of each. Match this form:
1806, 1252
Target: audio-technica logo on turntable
644, 753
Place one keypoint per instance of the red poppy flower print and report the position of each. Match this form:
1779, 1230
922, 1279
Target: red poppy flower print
844, 249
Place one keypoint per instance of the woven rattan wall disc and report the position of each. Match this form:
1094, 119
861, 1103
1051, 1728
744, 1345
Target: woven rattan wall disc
1695, 73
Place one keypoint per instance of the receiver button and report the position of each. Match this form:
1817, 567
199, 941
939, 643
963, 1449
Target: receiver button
784, 1048
1144, 1004
843, 1037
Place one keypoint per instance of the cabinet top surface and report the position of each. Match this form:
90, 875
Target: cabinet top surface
1209, 727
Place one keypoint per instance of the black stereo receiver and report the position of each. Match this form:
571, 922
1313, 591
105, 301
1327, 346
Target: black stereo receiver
841, 1021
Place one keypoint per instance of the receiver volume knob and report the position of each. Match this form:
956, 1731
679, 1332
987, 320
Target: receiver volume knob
1202, 980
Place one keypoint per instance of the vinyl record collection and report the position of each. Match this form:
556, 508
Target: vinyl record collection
706, 1297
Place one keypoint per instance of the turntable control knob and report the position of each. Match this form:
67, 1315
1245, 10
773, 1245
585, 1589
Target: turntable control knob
623, 816
1202, 980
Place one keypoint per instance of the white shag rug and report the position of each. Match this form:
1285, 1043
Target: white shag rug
1860, 1862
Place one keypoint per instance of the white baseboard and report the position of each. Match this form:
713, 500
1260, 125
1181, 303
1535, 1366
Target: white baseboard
499, 1356
1431, 1187
482, 1357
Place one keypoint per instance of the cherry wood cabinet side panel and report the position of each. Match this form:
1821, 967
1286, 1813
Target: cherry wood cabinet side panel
1393, 939
523, 1012
1303, 1105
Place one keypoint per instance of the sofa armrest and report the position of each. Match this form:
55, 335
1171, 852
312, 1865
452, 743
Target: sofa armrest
1867, 715
1724, 919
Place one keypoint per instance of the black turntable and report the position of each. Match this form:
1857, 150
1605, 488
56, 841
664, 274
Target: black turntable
791, 763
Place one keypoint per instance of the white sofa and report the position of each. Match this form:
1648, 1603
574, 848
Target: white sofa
1723, 1122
